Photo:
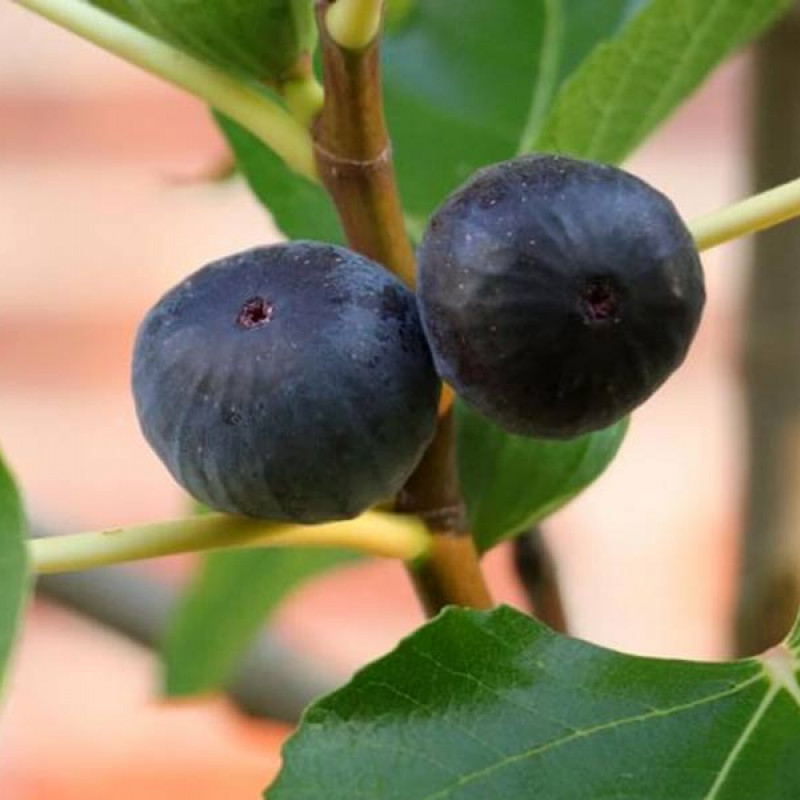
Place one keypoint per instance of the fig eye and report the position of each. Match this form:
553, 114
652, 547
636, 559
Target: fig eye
600, 301
255, 313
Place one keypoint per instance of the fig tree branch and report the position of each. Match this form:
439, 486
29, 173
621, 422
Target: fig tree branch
537, 572
354, 155
449, 573
354, 158
252, 109
376, 533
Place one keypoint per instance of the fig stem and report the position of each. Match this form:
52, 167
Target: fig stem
755, 213
449, 572
376, 533
354, 154
353, 24
252, 109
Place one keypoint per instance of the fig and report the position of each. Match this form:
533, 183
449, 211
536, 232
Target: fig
291, 382
262, 39
558, 294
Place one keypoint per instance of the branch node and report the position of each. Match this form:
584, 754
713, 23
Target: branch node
446, 519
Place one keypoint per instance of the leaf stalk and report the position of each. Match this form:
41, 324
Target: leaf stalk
755, 213
376, 533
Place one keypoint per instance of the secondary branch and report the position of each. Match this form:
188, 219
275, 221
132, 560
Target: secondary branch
376, 533
756, 213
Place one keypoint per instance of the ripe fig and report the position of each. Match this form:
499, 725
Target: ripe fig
291, 382
558, 294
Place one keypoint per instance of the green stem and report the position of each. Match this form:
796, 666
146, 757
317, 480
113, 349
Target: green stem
267, 120
753, 214
376, 533
303, 97
354, 24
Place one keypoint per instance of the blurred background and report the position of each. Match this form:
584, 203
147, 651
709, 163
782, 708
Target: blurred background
103, 206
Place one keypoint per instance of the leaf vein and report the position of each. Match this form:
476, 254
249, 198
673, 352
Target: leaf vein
591, 731
730, 760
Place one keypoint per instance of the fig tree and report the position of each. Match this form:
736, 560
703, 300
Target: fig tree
291, 382
558, 294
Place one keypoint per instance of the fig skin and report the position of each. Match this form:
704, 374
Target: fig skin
291, 382
557, 294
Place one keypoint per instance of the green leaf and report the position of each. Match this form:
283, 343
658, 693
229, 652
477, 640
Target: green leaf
629, 85
13, 565
224, 607
464, 80
512, 482
301, 209
479, 705
262, 39
574, 28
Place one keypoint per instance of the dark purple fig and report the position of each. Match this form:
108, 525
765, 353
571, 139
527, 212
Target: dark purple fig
291, 382
557, 294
